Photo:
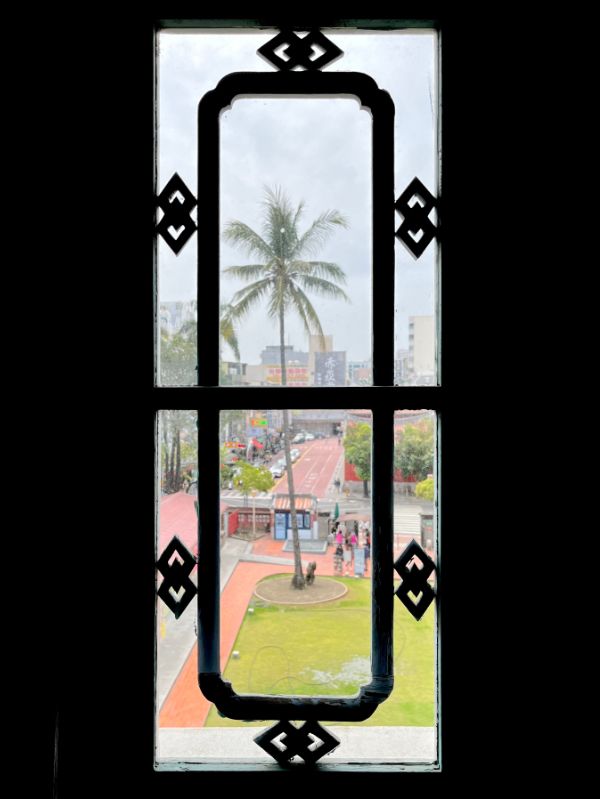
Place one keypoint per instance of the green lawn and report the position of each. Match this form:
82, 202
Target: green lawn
325, 649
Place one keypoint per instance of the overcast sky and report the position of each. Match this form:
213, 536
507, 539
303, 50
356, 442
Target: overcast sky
319, 151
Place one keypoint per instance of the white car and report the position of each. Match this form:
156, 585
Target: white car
309, 437
277, 470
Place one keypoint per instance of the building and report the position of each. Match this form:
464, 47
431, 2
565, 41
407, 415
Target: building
421, 350
316, 344
401, 374
271, 356
233, 373
327, 422
360, 373
254, 375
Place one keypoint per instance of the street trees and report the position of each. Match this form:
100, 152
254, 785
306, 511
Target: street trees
178, 356
179, 446
281, 275
252, 478
424, 489
357, 444
178, 350
413, 453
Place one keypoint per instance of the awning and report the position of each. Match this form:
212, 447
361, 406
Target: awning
282, 502
257, 444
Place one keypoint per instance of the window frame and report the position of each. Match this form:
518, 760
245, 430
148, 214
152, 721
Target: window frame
382, 398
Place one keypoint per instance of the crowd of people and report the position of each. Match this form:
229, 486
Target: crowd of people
346, 540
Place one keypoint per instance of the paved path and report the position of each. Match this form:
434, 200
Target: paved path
176, 637
184, 705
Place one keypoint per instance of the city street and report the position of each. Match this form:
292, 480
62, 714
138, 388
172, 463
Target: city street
315, 469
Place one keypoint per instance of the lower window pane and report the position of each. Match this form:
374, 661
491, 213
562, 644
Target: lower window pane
276, 639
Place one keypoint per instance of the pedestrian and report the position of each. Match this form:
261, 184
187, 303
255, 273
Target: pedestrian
347, 559
338, 559
339, 536
367, 550
337, 484
353, 542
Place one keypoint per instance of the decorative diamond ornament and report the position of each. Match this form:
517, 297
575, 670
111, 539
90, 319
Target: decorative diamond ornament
176, 213
300, 51
416, 217
176, 571
283, 741
414, 580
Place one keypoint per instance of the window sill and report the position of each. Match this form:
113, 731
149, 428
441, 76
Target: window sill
379, 748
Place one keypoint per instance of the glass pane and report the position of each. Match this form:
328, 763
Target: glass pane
404, 63
296, 248
176, 490
319, 155
268, 646
189, 65
273, 631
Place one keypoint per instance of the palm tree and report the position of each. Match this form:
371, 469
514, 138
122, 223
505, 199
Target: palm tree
227, 330
281, 278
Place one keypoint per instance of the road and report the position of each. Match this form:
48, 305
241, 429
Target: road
315, 469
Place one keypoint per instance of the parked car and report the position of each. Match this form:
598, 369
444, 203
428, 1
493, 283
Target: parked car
309, 437
298, 438
277, 470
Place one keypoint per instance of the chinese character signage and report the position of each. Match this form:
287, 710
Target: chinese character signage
330, 368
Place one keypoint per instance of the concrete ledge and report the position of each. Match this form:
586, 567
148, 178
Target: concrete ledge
358, 745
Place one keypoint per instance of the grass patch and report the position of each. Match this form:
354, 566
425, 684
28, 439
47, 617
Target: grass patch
325, 650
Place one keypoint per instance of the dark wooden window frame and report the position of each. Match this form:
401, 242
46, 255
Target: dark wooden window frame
382, 398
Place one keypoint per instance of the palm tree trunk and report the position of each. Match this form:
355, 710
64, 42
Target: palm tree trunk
298, 578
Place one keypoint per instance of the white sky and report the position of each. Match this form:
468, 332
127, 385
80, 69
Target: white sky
319, 151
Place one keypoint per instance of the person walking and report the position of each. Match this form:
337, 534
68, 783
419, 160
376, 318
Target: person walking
338, 559
367, 549
347, 558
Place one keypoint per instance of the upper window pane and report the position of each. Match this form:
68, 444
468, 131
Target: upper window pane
314, 151
296, 248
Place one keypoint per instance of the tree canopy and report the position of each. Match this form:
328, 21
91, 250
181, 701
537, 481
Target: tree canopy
252, 478
357, 444
425, 489
413, 453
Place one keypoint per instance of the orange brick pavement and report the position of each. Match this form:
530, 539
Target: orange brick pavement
185, 706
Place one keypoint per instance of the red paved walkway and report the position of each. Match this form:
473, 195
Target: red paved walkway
185, 706
177, 516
